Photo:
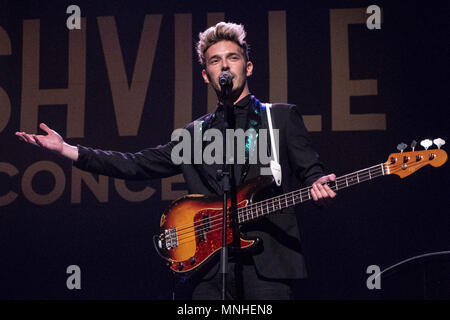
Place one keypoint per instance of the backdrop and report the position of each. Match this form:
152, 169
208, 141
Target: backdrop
127, 75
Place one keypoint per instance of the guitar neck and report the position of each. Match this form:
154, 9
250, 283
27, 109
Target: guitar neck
261, 208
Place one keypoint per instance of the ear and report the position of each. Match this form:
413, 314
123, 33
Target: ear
205, 76
249, 68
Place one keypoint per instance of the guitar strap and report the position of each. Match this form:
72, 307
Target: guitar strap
275, 167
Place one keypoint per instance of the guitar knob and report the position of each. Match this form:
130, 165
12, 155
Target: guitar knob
426, 143
439, 142
180, 266
413, 144
192, 260
402, 146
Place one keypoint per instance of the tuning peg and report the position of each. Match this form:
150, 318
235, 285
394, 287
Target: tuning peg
413, 144
426, 143
402, 146
439, 142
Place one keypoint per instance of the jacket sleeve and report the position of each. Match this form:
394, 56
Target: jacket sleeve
304, 159
150, 163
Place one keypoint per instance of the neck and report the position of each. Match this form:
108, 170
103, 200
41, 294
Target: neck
258, 209
234, 97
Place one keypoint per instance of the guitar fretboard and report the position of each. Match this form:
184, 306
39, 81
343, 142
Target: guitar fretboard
259, 209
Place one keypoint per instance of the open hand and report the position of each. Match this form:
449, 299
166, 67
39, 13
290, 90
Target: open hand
52, 141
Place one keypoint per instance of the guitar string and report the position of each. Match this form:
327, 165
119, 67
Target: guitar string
304, 192
250, 207
192, 237
260, 203
288, 197
217, 223
217, 226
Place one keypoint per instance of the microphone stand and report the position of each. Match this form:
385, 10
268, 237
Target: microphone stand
226, 176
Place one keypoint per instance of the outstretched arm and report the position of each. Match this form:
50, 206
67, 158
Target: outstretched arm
150, 163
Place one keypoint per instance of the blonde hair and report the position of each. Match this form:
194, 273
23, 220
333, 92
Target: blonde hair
222, 31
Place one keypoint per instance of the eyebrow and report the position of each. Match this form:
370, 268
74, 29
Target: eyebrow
229, 54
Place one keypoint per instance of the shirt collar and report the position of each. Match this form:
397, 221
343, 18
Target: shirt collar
244, 102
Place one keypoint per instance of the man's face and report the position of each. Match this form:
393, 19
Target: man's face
223, 56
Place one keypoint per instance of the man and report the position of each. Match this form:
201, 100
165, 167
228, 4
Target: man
267, 272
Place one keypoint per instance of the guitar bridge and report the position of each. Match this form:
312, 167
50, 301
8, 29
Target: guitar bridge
170, 238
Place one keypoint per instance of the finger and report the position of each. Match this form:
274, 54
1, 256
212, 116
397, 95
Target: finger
33, 137
321, 180
316, 199
38, 142
322, 191
316, 189
23, 136
29, 139
316, 192
26, 137
332, 177
44, 127
19, 135
329, 191
313, 194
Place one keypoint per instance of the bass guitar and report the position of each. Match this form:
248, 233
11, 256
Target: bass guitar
191, 228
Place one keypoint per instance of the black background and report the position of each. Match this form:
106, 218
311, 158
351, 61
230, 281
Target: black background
381, 223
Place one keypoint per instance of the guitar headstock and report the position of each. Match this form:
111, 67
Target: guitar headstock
405, 163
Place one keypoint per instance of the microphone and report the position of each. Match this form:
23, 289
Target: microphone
226, 79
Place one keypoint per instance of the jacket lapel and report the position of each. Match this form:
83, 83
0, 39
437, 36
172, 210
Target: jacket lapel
208, 173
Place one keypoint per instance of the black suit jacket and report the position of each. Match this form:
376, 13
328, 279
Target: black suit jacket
280, 256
